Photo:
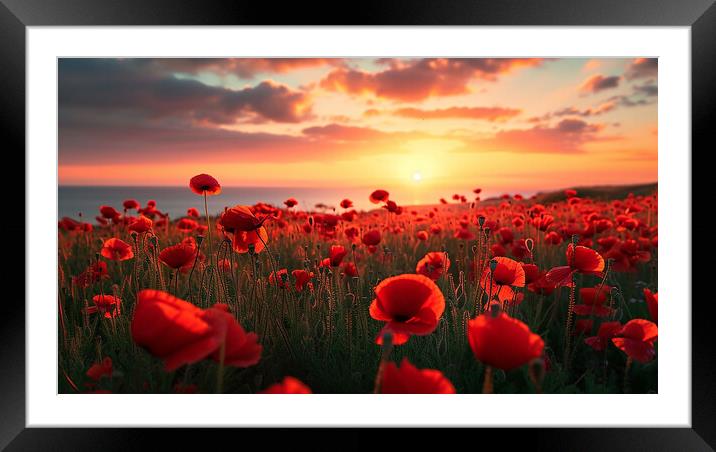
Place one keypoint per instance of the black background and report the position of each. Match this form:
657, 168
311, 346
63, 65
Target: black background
15, 15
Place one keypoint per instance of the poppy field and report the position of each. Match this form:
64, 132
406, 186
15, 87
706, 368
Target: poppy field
504, 295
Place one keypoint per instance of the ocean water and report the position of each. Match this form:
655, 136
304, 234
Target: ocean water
73, 200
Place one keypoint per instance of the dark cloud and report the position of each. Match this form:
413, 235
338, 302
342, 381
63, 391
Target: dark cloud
649, 90
597, 83
642, 68
141, 88
416, 80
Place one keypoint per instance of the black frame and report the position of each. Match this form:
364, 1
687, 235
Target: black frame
15, 15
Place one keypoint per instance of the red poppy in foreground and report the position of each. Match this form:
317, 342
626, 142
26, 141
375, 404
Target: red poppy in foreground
498, 283
117, 250
411, 304
433, 265
607, 330
581, 260
174, 330
282, 278
108, 305
178, 256
204, 184
652, 303
503, 342
99, 370
637, 338
346, 203
289, 385
408, 379
290, 202
241, 349
379, 196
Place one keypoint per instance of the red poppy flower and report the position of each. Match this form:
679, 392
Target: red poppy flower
508, 273
436, 229
580, 259
240, 218
117, 250
464, 234
607, 330
346, 203
379, 196
282, 278
422, 235
109, 212
408, 379
193, 212
241, 349
349, 269
130, 204
245, 240
532, 273
372, 237
352, 233
174, 330
289, 385
652, 303
93, 274
187, 225
302, 278
290, 202
477, 191
411, 304
336, 255
593, 299
552, 238
108, 305
178, 256
433, 265
140, 224
583, 326
503, 342
570, 193
204, 184
637, 338
99, 370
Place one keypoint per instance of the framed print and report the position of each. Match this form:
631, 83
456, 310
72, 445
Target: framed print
387, 223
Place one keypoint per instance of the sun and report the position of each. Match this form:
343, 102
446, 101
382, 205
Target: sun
417, 177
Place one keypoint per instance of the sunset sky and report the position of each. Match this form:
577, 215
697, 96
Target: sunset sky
441, 124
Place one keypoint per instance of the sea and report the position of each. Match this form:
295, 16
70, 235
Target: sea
85, 201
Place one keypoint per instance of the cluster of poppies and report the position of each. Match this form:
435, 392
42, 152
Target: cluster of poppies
496, 258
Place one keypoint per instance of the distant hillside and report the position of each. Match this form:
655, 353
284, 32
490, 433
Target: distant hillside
599, 192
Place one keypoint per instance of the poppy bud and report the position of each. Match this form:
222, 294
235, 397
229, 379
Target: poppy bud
353, 247
153, 240
133, 234
493, 265
310, 220
252, 249
481, 221
487, 232
575, 239
529, 244
495, 309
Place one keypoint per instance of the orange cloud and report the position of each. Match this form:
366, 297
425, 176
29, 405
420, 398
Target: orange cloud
416, 80
491, 114
567, 137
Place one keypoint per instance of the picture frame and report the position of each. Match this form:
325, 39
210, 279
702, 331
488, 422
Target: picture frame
15, 16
